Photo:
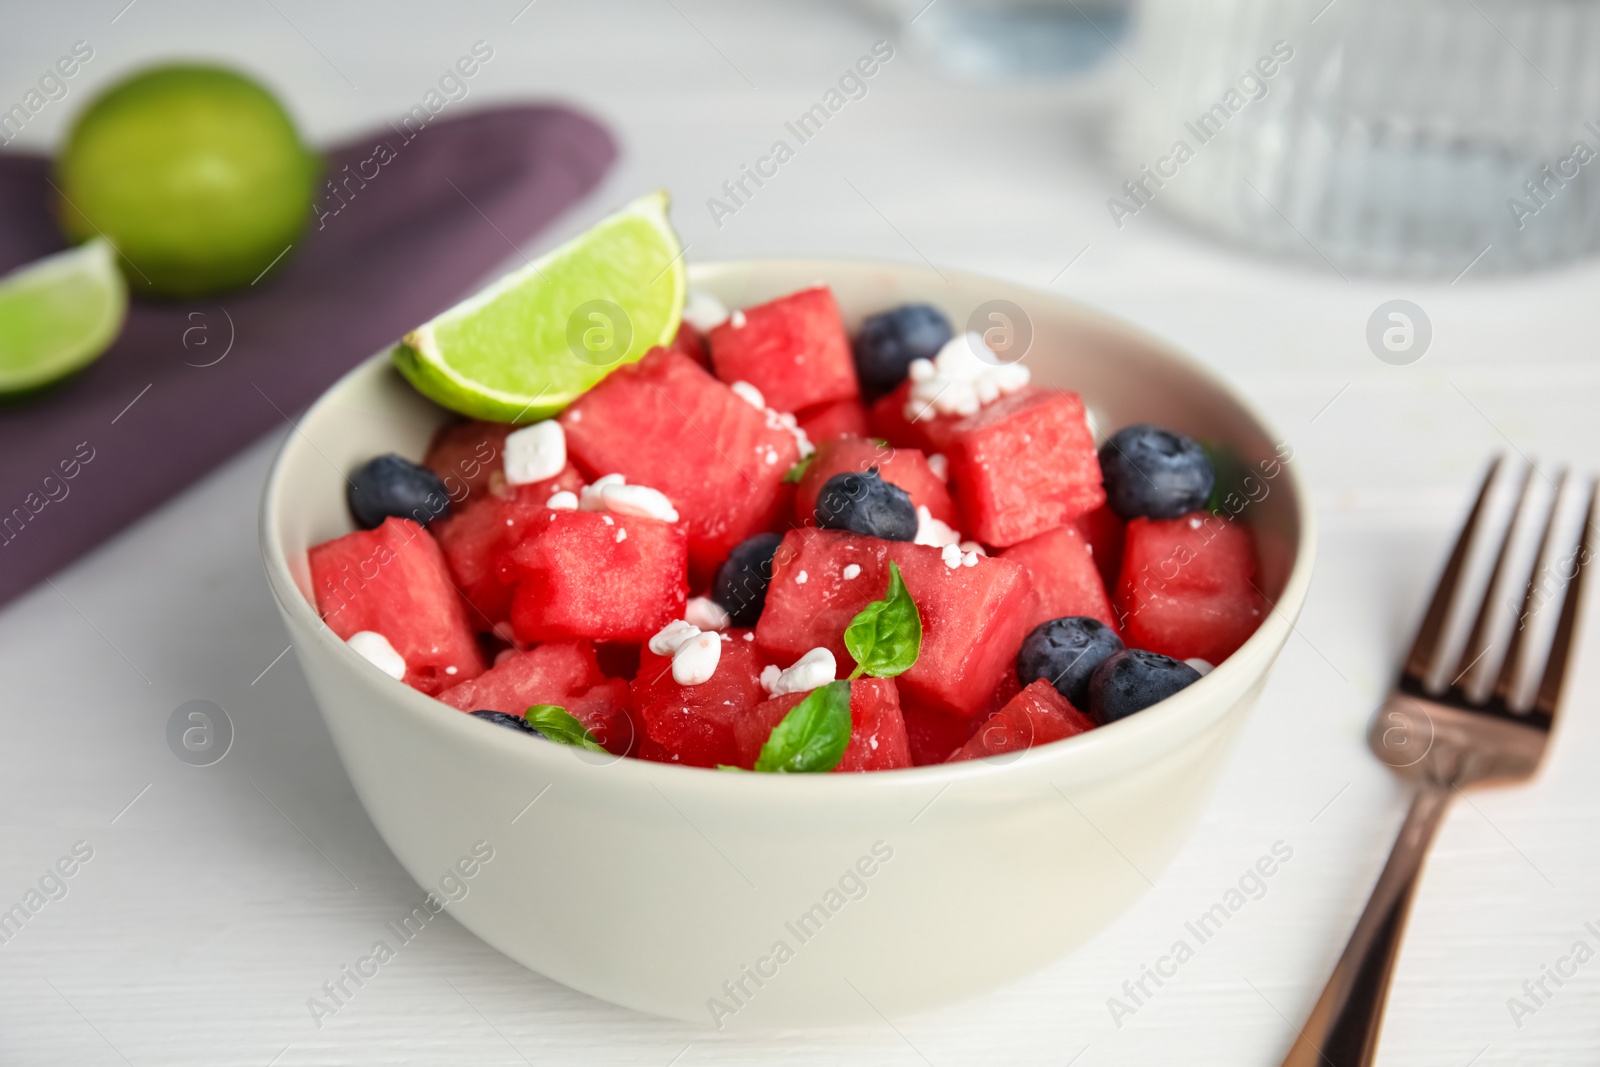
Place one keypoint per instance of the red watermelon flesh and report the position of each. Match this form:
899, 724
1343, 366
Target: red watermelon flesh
694, 724
464, 455
547, 674
667, 424
877, 732
1036, 716
1103, 528
476, 541
905, 467
972, 617
692, 343
591, 574
606, 711
393, 580
1188, 586
794, 349
1065, 581
841, 418
934, 736
887, 418
1022, 465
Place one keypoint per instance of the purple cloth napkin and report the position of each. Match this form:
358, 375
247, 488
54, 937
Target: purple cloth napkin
417, 224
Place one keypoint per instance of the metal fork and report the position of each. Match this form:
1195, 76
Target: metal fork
1443, 741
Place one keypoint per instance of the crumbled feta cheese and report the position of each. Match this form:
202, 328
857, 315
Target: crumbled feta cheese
376, 650
1194, 522
932, 531
592, 497
852, 571
736, 320
1203, 666
622, 535
696, 659
939, 466
951, 556
562, 501
800, 579
961, 379
750, 635
613, 493
973, 546
575, 416
815, 668
703, 311
535, 452
969, 559
670, 636
608, 520
706, 613
452, 669
750, 395
771, 457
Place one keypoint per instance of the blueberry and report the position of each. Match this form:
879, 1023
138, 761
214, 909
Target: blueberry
742, 580
500, 718
1155, 473
889, 341
866, 504
1134, 679
1065, 652
394, 486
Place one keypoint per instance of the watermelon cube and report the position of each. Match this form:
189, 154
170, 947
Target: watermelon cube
692, 343
1036, 716
794, 349
841, 418
477, 539
905, 467
393, 580
1065, 580
464, 455
694, 724
1103, 528
547, 674
973, 618
667, 424
1022, 465
606, 711
877, 732
887, 419
591, 574
1188, 586
934, 736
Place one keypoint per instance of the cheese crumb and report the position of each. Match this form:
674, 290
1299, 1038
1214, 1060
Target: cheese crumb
670, 636
800, 579
535, 453
932, 531
749, 394
703, 311
951, 556
696, 659
613, 493
706, 613
852, 571
961, 379
376, 650
939, 466
622, 535
736, 320
815, 668
561, 501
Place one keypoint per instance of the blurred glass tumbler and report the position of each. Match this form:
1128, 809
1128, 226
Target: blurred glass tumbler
1416, 137
1011, 40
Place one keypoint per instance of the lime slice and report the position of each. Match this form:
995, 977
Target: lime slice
57, 314
534, 341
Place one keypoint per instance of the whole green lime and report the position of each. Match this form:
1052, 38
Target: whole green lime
195, 173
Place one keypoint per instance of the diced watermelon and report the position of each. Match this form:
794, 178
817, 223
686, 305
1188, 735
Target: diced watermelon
905, 467
476, 541
692, 343
393, 580
934, 736
1188, 586
694, 724
794, 349
877, 732
667, 424
1065, 581
1103, 528
464, 455
606, 710
1036, 716
596, 575
841, 418
547, 674
887, 418
1022, 465
973, 618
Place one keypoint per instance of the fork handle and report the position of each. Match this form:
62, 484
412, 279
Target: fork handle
1343, 1028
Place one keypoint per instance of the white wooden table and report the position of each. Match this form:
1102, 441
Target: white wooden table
219, 899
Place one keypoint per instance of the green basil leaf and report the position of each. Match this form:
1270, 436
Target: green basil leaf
886, 637
798, 471
813, 736
556, 725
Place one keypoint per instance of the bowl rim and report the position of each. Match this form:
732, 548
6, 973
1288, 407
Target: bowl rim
1162, 726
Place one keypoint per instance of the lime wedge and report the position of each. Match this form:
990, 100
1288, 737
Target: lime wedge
534, 341
57, 314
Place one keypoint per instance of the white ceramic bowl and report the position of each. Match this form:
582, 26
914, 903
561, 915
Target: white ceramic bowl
764, 900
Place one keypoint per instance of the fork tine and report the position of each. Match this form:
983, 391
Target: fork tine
1555, 669
1426, 648
1478, 643
1505, 685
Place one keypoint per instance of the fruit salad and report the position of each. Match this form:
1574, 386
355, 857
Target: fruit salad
771, 545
